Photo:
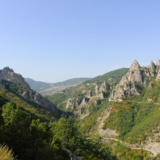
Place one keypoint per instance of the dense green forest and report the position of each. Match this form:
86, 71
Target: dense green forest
30, 137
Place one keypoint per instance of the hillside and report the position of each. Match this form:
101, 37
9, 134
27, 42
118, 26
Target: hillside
75, 95
125, 107
51, 88
31, 127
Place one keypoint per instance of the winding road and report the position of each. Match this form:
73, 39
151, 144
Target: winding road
129, 146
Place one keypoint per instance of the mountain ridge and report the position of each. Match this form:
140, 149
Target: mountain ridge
46, 88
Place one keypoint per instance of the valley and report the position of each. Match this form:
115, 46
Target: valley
118, 112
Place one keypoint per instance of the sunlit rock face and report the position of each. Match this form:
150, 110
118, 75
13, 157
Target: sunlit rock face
136, 74
9, 75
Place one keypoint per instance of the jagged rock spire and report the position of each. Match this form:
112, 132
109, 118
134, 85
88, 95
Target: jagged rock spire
152, 68
134, 65
152, 65
158, 63
7, 69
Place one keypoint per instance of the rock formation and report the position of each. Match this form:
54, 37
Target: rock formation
78, 101
85, 100
158, 75
9, 75
38, 98
136, 74
100, 91
158, 63
152, 68
89, 94
69, 103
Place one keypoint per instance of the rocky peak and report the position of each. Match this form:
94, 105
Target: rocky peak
152, 68
137, 74
9, 75
7, 69
134, 73
158, 63
152, 65
135, 65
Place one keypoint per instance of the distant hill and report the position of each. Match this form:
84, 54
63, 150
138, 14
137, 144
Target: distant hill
50, 88
80, 91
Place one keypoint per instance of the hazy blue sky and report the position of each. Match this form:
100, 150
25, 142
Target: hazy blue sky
54, 40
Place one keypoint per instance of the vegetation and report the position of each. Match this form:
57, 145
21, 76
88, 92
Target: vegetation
40, 86
112, 78
34, 138
6, 153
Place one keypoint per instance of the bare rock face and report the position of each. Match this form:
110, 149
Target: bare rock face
158, 63
158, 75
9, 75
85, 100
89, 94
38, 98
96, 89
126, 86
152, 68
136, 74
103, 87
69, 103
44, 102
100, 91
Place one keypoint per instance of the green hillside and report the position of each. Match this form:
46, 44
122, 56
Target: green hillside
37, 85
51, 88
112, 78
35, 133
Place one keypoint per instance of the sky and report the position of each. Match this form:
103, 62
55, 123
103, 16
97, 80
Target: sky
55, 40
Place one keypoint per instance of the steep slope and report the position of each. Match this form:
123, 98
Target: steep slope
137, 76
51, 88
127, 109
14, 88
9, 75
95, 89
132, 110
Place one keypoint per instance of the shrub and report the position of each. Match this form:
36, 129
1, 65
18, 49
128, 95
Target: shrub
6, 153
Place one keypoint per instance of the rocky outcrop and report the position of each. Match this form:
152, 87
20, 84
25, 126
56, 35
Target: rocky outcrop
85, 100
136, 74
89, 94
158, 63
103, 87
152, 68
69, 104
100, 91
38, 98
9, 75
158, 75
126, 86
78, 101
